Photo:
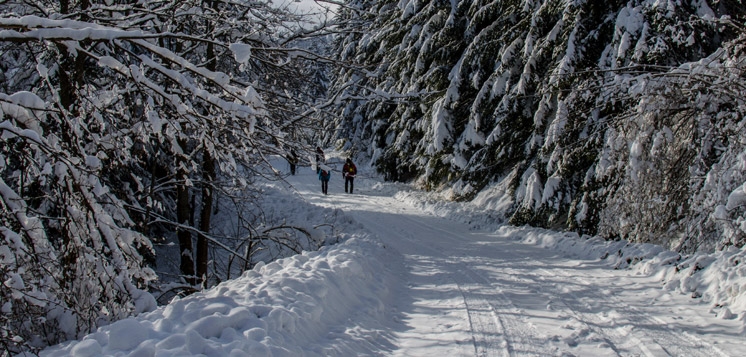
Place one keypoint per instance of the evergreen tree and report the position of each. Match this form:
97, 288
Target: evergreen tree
546, 99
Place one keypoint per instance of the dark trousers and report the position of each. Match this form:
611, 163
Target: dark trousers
351, 181
325, 186
292, 169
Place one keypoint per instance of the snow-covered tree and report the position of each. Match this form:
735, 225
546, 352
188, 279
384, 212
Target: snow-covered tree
678, 156
559, 101
119, 121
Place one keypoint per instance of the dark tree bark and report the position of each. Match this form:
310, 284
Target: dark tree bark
208, 176
183, 213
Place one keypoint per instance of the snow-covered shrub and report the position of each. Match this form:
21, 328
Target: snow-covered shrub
677, 157
70, 258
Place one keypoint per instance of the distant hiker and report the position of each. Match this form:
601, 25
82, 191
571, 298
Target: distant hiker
348, 172
292, 160
324, 176
319, 158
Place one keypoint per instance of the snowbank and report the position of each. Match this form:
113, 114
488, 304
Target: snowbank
277, 309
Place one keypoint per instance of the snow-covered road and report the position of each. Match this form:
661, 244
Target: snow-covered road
405, 282
472, 293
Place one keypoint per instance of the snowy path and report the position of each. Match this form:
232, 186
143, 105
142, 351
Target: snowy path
478, 294
408, 283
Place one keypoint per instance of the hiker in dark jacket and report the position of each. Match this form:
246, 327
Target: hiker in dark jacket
349, 171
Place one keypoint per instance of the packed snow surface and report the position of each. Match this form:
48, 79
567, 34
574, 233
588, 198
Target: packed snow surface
419, 277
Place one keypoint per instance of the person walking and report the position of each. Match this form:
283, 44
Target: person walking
324, 177
292, 160
349, 171
319, 158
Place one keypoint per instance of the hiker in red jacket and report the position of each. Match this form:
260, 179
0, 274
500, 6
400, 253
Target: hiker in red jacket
348, 172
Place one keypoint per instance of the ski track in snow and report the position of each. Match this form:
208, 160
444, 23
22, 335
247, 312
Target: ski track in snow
651, 335
416, 284
511, 297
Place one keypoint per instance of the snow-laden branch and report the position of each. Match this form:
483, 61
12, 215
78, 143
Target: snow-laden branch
34, 28
201, 233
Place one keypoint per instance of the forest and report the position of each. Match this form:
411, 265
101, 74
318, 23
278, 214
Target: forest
622, 119
127, 125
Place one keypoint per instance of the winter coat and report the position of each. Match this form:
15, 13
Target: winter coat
325, 175
349, 169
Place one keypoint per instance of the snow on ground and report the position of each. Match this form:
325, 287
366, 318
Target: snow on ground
418, 277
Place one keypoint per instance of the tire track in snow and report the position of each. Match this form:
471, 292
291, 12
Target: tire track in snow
517, 336
486, 329
569, 310
592, 324
655, 336
497, 326
642, 331
520, 337
483, 322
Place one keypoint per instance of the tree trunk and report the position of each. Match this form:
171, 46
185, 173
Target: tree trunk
183, 211
208, 176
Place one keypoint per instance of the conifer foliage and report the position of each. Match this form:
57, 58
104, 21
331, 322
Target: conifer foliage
617, 118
